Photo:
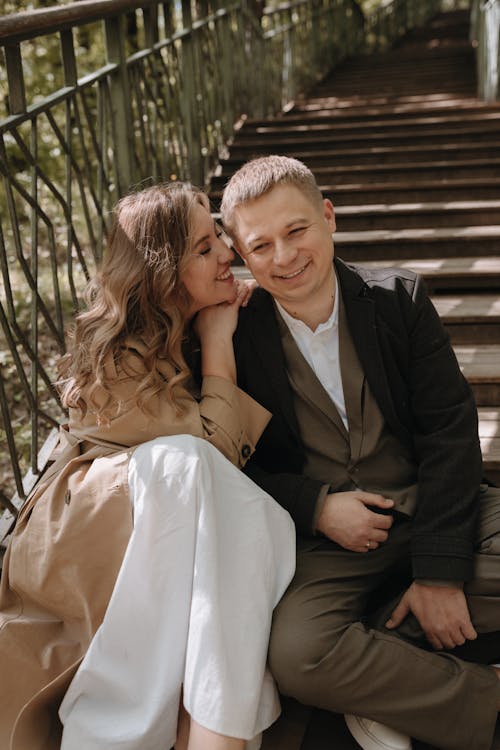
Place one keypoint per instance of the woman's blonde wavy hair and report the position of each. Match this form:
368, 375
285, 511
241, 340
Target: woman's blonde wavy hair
137, 292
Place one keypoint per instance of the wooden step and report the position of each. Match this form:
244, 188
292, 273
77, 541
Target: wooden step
489, 436
414, 215
354, 193
336, 111
298, 143
483, 169
418, 243
480, 364
369, 153
477, 116
470, 318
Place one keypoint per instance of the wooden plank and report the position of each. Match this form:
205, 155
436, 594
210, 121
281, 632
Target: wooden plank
429, 235
479, 363
288, 732
468, 308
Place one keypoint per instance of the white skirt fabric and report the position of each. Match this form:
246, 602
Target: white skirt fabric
209, 557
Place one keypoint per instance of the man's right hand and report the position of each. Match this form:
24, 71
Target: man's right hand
347, 520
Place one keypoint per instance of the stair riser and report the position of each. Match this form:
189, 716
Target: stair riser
414, 195
462, 285
240, 152
328, 132
384, 155
394, 250
358, 113
415, 174
473, 333
486, 394
360, 223
403, 194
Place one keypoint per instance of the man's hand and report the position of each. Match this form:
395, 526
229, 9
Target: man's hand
346, 519
441, 611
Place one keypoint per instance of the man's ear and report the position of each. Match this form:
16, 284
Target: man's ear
329, 213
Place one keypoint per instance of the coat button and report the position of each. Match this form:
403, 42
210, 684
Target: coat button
246, 451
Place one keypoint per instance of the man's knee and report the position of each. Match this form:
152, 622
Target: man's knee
298, 648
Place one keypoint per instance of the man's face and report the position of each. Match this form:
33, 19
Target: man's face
286, 241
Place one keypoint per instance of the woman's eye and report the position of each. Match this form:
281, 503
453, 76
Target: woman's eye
205, 250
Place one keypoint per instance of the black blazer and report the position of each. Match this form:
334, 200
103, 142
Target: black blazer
414, 376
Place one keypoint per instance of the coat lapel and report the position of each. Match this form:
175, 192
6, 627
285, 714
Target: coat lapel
361, 318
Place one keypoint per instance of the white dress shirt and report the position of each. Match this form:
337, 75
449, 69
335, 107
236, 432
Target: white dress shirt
320, 349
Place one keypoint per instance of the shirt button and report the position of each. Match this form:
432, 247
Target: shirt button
246, 451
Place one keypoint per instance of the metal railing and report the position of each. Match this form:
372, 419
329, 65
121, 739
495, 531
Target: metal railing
165, 86
485, 32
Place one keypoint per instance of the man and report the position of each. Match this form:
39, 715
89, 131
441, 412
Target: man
373, 449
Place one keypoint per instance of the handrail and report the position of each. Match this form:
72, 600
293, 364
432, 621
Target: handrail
18, 27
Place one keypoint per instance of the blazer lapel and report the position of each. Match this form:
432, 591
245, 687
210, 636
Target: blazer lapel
360, 313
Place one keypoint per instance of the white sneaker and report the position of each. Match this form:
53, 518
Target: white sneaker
374, 736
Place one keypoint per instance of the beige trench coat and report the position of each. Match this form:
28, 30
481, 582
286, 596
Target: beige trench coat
70, 538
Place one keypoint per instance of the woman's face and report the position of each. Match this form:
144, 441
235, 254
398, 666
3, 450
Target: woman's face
207, 275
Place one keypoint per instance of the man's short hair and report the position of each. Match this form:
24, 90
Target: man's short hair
258, 176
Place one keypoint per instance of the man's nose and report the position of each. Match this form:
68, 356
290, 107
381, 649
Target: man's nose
284, 253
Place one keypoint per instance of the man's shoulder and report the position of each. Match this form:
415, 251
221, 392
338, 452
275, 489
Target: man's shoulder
260, 305
355, 275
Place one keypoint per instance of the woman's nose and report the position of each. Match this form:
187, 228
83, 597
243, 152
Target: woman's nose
226, 254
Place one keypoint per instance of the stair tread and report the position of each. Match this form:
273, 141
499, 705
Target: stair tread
479, 363
404, 208
468, 308
429, 234
480, 116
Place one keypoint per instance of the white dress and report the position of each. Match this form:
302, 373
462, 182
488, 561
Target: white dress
209, 558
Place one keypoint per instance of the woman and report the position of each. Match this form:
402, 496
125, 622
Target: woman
198, 553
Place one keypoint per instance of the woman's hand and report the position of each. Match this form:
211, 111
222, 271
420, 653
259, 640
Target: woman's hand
215, 326
221, 320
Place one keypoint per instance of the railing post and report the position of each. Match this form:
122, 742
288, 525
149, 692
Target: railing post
120, 105
190, 98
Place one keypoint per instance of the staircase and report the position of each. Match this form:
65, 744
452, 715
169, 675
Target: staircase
411, 161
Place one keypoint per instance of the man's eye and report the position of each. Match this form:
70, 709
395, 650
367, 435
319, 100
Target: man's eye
260, 248
297, 230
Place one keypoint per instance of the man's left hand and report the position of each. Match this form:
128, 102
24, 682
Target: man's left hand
441, 611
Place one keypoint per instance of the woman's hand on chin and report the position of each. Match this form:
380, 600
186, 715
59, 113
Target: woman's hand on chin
220, 321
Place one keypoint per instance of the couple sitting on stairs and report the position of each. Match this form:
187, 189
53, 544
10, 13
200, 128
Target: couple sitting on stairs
392, 616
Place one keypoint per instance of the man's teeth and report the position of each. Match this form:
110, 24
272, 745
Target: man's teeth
224, 276
295, 273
